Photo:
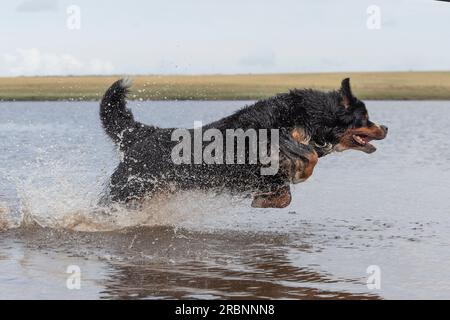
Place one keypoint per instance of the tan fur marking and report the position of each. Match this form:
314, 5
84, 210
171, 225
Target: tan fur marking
375, 131
278, 199
299, 135
305, 170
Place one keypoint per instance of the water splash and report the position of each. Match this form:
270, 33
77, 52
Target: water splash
186, 209
62, 191
4, 217
56, 196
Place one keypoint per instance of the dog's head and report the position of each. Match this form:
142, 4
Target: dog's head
355, 130
342, 123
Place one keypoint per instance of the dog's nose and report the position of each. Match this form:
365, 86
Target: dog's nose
385, 128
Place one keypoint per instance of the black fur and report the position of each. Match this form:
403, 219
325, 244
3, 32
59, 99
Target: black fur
147, 167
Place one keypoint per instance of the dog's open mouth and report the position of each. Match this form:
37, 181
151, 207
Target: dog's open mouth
363, 142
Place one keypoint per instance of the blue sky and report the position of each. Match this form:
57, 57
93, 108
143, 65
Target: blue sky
204, 37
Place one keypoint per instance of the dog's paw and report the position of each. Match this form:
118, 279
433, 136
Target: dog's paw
279, 199
259, 202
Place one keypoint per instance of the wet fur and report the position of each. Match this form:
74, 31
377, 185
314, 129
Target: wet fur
321, 119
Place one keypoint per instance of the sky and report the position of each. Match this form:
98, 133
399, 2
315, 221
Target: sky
72, 37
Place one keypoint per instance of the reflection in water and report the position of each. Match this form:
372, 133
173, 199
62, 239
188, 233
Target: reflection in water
164, 262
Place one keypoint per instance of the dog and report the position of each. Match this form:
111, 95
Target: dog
311, 124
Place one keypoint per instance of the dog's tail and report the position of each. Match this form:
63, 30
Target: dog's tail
114, 114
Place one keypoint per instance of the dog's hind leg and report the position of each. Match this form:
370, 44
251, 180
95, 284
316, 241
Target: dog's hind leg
125, 187
280, 198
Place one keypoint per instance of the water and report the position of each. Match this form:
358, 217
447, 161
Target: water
389, 209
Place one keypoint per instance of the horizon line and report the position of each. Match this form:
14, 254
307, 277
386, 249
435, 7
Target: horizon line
217, 74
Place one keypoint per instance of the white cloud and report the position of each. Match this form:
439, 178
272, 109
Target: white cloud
29, 62
37, 5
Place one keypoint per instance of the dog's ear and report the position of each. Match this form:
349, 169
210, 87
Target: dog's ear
346, 93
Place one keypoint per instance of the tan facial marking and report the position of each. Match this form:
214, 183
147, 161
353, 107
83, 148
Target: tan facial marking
375, 132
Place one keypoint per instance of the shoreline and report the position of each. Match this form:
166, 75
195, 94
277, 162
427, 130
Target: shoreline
201, 100
366, 85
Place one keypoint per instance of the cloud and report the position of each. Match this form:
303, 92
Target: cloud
38, 5
30, 62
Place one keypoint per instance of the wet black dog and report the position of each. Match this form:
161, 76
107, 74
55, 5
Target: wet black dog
311, 124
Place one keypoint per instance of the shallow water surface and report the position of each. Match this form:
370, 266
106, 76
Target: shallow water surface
389, 209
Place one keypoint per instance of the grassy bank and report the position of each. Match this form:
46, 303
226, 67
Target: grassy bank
379, 86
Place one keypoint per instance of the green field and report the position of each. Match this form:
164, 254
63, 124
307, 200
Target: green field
366, 85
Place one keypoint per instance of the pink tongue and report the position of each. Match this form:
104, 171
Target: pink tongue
359, 139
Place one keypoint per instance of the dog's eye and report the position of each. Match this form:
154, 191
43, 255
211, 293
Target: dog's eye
360, 122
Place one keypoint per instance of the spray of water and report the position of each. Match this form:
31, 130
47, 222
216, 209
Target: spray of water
4, 217
56, 196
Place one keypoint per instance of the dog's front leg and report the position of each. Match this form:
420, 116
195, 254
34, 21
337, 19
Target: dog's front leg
280, 198
298, 159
